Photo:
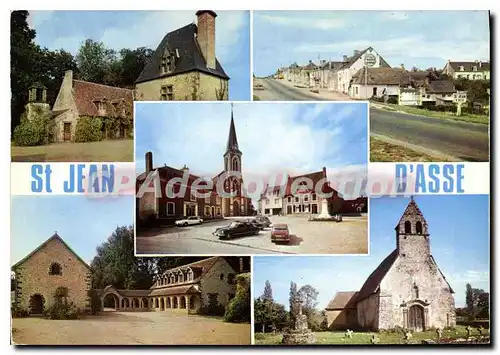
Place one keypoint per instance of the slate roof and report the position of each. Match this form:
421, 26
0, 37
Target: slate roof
343, 300
351, 60
190, 56
56, 237
441, 86
175, 290
469, 66
381, 76
332, 65
86, 93
372, 284
315, 177
232, 140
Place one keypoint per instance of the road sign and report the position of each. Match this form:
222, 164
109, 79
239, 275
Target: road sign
460, 97
370, 60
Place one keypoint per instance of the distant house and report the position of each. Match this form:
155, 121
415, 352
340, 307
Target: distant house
341, 312
380, 82
351, 65
185, 66
78, 98
439, 92
271, 201
475, 70
327, 76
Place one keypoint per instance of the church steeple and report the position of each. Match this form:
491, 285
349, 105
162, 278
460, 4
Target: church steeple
232, 140
232, 156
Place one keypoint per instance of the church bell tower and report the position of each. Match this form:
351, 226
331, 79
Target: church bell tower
412, 235
232, 156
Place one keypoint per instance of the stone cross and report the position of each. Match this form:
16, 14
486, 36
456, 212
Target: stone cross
408, 336
439, 333
469, 330
348, 333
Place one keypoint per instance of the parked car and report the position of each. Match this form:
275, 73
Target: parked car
189, 221
280, 233
236, 229
255, 223
263, 221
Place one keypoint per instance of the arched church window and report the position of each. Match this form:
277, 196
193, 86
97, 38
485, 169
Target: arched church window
236, 165
55, 269
407, 227
419, 227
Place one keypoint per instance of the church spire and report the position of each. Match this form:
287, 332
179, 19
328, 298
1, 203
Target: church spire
232, 141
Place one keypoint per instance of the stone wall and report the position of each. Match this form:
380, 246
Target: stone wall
341, 319
213, 88
33, 276
212, 283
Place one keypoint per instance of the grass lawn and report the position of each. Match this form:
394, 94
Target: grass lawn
104, 151
338, 337
466, 117
381, 151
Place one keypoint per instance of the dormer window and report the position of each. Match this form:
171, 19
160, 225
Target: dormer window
474, 68
461, 68
168, 62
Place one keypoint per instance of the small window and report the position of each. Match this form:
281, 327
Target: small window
55, 269
193, 197
408, 227
170, 208
419, 227
356, 90
297, 199
221, 277
306, 198
289, 199
276, 201
230, 278
314, 197
167, 93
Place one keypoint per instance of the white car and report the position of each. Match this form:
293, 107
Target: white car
189, 221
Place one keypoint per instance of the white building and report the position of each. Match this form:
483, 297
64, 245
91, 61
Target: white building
378, 82
476, 70
271, 200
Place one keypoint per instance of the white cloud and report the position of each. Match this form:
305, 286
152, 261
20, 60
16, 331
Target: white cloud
304, 22
38, 17
404, 47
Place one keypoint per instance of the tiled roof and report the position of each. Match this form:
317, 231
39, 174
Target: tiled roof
86, 93
184, 41
332, 65
372, 284
315, 177
381, 76
176, 290
441, 86
342, 300
469, 66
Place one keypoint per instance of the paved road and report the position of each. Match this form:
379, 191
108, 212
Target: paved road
348, 237
462, 140
277, 91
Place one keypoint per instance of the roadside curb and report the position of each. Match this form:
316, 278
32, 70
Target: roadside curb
244, 245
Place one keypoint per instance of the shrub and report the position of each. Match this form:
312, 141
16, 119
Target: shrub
62, 310
392, 100
95, 302
88, 129
238, 309
19, 312
33, 132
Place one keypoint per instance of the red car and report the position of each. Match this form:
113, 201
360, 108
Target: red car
280, 233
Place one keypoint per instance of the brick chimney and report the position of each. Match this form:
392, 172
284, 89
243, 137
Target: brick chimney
149, 162
206, 35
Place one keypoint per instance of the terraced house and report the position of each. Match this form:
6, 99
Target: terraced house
406, 290
185, 66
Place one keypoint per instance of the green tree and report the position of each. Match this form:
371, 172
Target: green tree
293, 298
469, 300
238, 309
308, 296
132, 63
268, 292
97, 63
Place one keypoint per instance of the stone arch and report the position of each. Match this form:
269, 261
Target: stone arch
182, 302
157, 305
407, 227
125, 303
55, 269
135, 303
37, 304
111, 300
162, 304
145, 303
176, 304
169, 304
418, 227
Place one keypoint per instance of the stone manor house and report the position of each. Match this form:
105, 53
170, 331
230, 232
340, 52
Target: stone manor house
167, 209
191, 288
407, 289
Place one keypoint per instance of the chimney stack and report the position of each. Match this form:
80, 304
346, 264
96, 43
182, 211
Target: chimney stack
149, 162
206, 35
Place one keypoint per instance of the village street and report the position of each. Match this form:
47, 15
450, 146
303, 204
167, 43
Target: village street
282, 90
435, 136
347, 237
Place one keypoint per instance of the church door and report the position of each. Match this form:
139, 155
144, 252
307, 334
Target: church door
236, 208
36, 304
67, 131
416, 318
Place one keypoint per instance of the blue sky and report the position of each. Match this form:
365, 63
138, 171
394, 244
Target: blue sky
83, 222
273, 137
459, 236
414, 38
133, 29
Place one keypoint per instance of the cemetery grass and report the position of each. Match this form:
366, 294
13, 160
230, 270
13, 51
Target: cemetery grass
338, 337
381, 151
465, 117
104, 151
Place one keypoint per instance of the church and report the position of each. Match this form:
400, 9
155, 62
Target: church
406, 290
229, 200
